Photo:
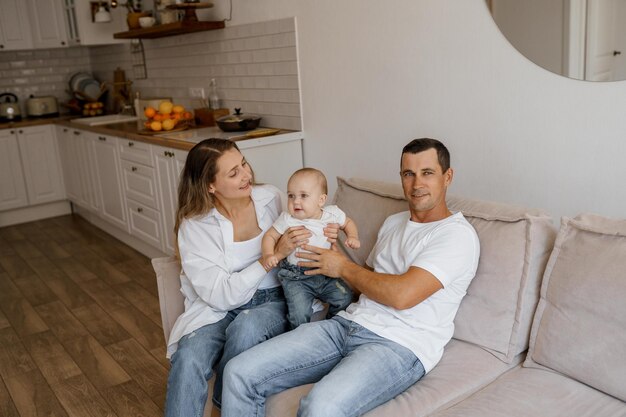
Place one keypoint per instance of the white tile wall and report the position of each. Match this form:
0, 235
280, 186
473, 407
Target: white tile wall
41, 72
255, 66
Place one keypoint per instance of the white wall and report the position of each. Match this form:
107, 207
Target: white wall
376, 74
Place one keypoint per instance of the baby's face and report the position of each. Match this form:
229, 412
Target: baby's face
305, 197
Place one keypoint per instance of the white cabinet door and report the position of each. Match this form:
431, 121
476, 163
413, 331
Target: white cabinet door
42, 165
169, 164
12, 185
69, 164
91, 33
47, 23
14, 25
108, 170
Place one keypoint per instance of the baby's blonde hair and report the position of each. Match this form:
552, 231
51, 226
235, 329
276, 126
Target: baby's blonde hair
321, 178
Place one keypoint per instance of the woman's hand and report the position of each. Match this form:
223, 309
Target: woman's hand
331, 231
294, 237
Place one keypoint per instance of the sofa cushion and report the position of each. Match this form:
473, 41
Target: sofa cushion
463, 370
535, 392
579, 326
515, 244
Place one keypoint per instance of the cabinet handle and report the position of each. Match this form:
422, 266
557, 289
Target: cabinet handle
133, 169
64, 130
102, 138
62, 43
139, 210
131, 144
76, 132
13, 132
1, 46
20, 131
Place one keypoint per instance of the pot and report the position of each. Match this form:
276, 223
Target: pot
42, 106
9, 107
238, 122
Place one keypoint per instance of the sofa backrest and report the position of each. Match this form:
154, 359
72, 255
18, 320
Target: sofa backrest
496, 313
579, 327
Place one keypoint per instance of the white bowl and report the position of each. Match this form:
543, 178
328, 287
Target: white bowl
147, 21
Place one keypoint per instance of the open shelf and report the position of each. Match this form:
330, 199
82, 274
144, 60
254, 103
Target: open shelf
170, 29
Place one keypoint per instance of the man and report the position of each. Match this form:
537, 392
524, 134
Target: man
419, 270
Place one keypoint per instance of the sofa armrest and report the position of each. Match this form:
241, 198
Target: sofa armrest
171, 300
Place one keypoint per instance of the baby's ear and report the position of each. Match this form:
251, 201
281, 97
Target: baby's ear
322, 200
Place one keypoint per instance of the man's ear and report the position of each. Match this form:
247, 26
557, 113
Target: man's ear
449, 174
322, 201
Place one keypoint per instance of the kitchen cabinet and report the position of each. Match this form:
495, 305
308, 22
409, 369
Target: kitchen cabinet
169, 164
41, 163
12, 185
108, 171
91, 33
140, 189
48, 24
14, 26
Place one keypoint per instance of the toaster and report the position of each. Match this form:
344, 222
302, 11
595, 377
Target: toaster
42, 106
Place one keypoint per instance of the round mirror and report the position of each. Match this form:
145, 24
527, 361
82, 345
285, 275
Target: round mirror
581, 39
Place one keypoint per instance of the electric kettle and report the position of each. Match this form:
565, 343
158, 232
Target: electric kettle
9, 107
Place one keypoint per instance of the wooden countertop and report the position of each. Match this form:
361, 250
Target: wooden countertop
184, 140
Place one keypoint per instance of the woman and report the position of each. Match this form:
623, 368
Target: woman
231, 301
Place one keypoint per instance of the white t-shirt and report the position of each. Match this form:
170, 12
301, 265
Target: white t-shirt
448, 249
330, 214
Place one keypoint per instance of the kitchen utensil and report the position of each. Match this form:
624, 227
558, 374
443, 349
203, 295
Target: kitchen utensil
147, 21
9, 107
238, 122
42, 106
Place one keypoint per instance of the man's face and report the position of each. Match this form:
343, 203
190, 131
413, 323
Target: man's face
425, 185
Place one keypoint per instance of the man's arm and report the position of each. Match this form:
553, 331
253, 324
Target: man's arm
398, 291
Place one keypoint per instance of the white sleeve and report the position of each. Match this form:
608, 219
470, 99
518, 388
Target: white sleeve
203, 262
337, 215
449, 253
282, 223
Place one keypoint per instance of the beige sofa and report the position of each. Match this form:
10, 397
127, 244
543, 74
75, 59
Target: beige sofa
484, 370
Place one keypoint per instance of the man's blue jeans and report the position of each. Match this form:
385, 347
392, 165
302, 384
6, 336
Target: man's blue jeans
212, 346
354, 370
301, 290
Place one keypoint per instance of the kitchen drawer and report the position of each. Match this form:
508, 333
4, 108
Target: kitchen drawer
139, 183
140, 152
145, 223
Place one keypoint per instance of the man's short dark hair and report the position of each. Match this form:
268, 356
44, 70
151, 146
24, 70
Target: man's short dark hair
424, 144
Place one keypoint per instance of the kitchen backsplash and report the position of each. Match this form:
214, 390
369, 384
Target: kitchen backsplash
41, 72
255, 66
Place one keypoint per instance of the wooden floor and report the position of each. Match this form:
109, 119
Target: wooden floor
80, 328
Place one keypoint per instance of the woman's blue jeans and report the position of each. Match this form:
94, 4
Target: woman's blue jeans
354, 370
212, 346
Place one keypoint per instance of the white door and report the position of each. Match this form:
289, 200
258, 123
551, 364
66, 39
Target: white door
169, 164
601, 29
12, 185
69, 163
14, 25
47, 23
42, 165
108, 170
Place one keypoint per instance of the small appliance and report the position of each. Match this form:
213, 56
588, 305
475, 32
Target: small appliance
45, 106
9, 107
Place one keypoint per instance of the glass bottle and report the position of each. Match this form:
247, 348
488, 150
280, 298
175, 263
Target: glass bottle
214, 98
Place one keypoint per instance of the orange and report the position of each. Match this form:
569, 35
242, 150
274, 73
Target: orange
156, 126
149, 112
146, 124
157, 117
176, 116
178, 109
187, 115
168, 124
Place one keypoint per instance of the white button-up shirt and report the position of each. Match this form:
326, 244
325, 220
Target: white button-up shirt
210, 281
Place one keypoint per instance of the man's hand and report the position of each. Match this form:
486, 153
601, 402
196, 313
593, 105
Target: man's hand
329, 262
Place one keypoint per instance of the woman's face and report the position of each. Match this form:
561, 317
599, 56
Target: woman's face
234, 177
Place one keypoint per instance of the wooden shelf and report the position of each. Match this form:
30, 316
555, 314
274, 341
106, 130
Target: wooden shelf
170, 29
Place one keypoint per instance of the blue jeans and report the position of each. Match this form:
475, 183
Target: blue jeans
212, 346
354, 370
301, 290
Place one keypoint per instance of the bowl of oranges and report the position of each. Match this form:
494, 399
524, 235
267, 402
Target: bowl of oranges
169, 117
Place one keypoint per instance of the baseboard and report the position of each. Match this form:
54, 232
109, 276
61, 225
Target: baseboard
135, 243
33, 213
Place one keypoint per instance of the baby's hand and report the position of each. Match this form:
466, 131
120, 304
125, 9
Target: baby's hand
353, 242
269, 261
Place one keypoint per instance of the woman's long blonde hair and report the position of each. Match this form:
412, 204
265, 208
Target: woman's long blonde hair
198, 174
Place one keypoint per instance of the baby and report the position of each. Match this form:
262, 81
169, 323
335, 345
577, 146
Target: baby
306, 195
